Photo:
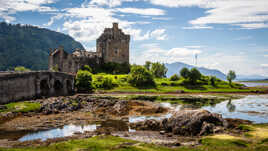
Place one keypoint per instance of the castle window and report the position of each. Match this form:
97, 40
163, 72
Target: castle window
115, 50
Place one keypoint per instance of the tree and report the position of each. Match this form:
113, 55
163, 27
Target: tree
212, 80
140, 77
185, 73
87, 68
194, 75
175, 77
158, 70
83, 81
148, 65
21, 69
231, 76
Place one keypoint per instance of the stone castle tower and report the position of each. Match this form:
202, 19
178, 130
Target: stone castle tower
112, 46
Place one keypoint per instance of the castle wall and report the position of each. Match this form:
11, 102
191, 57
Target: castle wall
27, 85
113, 44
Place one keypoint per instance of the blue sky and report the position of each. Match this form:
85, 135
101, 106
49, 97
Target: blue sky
225, 34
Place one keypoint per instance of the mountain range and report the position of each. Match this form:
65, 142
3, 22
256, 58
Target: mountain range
175, 68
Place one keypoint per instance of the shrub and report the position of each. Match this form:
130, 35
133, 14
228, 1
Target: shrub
21, 69
104, 83
140, 77
87, 68
83, 81
175, 77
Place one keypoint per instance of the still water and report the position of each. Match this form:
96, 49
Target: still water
253, 108
67, 130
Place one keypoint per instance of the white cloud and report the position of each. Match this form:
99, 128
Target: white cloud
264, 65
247, 14
145, 11
110, 3
153, 52
159, 34
86, 24
53, 18
265, 55
9, 7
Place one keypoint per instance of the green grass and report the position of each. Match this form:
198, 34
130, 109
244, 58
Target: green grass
21, 107
111, 143
164, 85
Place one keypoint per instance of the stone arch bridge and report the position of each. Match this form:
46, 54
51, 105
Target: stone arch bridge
15, 86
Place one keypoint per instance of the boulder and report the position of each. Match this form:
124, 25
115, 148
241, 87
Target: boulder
193, 122
153, 125
121, 108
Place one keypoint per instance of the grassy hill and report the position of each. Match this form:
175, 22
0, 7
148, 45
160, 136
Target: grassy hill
28, 46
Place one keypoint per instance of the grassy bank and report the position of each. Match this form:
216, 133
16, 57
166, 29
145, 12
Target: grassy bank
21, 107
256, 139
164, 85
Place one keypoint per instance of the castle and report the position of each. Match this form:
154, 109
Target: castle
112, 46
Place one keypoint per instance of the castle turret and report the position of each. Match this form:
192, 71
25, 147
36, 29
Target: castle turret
113, 45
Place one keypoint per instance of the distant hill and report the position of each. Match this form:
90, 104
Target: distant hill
250, 77
28, 46
174, 68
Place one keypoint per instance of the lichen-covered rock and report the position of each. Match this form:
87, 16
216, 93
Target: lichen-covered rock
193, 122
153, 125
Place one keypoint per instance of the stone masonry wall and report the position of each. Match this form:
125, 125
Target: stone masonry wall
28, 85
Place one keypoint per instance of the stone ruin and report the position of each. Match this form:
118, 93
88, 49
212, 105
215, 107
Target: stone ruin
112, 46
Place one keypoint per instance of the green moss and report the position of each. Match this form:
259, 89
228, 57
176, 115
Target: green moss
224, 142
245, 128
22, 107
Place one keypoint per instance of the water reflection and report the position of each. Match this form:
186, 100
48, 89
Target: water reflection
67, 130
253, 108
230, 106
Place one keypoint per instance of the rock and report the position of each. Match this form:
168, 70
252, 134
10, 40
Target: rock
153, 125
121, 108
192, 122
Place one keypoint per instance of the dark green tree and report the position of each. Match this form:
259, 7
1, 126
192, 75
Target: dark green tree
194, 75
231, 76
158, 70
213, 80
185, 73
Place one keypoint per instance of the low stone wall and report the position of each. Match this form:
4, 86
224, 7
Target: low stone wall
15, 86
